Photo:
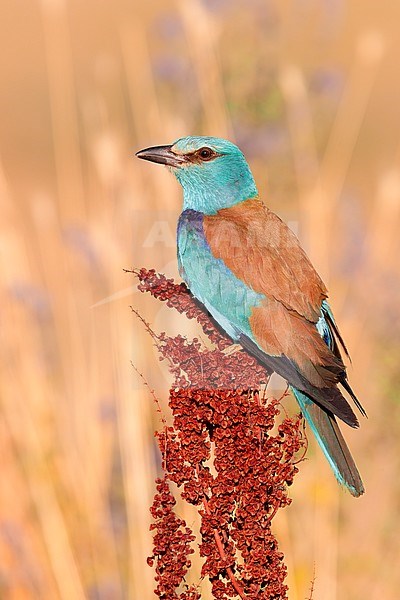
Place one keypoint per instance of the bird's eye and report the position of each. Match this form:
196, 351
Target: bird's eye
205, 153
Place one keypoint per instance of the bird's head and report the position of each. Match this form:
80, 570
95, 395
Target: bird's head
213, 172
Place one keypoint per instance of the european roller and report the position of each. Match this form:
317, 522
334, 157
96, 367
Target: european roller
244, 264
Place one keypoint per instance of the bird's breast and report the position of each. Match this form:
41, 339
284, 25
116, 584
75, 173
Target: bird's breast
209, 279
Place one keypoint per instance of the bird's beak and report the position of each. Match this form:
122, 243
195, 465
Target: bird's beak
162, 155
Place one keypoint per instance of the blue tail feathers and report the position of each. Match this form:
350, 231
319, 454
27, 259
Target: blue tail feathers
326, 430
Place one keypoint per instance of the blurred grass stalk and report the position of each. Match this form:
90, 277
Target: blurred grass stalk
26, 414
319, 188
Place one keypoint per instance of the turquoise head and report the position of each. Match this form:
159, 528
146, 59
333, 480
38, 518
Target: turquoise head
213, 172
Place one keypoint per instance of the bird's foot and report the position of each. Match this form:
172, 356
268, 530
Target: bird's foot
232, 349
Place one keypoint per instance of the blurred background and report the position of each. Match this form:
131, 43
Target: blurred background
310, 90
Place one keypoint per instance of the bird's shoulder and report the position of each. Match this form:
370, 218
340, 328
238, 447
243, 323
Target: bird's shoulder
261, 250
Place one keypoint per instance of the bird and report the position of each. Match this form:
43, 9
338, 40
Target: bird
247, 268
